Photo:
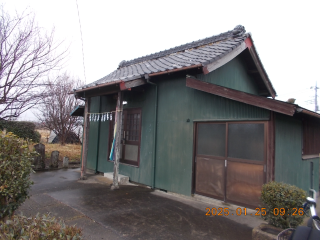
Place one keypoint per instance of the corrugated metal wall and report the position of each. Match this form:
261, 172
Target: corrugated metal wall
93, 135
289, 166
177, 105
233, 75
108, 104
143, 100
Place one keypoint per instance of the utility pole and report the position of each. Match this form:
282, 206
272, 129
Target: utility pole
316, 107
316, 99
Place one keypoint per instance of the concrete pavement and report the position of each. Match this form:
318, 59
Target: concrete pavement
132, 212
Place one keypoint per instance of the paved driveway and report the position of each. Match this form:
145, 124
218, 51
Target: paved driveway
133, 212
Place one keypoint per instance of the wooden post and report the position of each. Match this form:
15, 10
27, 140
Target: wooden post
85, 141
118, 120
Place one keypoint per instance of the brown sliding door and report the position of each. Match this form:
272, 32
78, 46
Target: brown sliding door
210, 173
230, 161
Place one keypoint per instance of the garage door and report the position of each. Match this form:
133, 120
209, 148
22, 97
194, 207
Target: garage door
230, 161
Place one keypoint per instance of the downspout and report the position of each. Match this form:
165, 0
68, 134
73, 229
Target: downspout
154, 131
99, 123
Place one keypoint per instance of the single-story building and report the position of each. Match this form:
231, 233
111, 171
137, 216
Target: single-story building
201, 118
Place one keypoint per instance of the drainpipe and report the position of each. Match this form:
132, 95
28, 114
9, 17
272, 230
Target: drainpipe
154, 131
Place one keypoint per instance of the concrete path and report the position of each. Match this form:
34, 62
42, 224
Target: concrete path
133, 212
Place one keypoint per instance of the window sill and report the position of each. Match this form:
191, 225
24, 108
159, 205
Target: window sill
125, 164
307, 157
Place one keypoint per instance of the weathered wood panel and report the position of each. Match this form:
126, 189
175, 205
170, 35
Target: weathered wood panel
311, 136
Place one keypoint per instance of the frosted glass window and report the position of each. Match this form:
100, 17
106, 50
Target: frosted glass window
211, 139
246, 141
131, 152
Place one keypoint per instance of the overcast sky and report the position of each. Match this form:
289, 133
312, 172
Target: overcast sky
285, 33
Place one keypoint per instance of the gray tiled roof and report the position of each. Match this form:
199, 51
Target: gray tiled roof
203, 52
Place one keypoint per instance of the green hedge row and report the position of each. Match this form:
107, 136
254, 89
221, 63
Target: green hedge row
21, 129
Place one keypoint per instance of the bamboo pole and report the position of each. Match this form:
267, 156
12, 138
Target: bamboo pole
118, 119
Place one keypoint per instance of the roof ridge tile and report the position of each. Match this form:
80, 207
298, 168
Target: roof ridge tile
236, 33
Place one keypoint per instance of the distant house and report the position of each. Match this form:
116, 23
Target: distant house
199, 119
72, 138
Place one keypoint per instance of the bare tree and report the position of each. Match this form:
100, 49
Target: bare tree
56, 105
27, 55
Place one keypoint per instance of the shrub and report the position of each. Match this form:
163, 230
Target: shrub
15, 168
282, 202
25, 130
38, 227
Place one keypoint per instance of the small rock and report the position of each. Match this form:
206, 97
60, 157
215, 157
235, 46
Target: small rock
65, 162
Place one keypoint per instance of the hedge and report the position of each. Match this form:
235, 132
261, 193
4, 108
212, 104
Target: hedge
25, 130
15, 168
283, 203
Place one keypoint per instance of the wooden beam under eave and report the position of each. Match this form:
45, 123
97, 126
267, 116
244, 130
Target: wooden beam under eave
106, 89
262, 102
97, 86
225, 59
131, 84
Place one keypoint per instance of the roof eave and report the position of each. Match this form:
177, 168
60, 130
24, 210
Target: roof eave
308, 112
255, 56
77, 111
246, 44
127, 84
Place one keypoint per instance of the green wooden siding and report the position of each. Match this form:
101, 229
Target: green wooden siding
232, 75
289, 166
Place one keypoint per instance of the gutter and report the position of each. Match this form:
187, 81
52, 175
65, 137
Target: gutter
307, 112
147, 77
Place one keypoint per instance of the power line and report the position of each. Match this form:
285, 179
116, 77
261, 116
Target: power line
293, 92
84, 68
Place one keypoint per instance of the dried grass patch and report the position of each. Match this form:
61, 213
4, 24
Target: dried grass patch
44, 135
72, 151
